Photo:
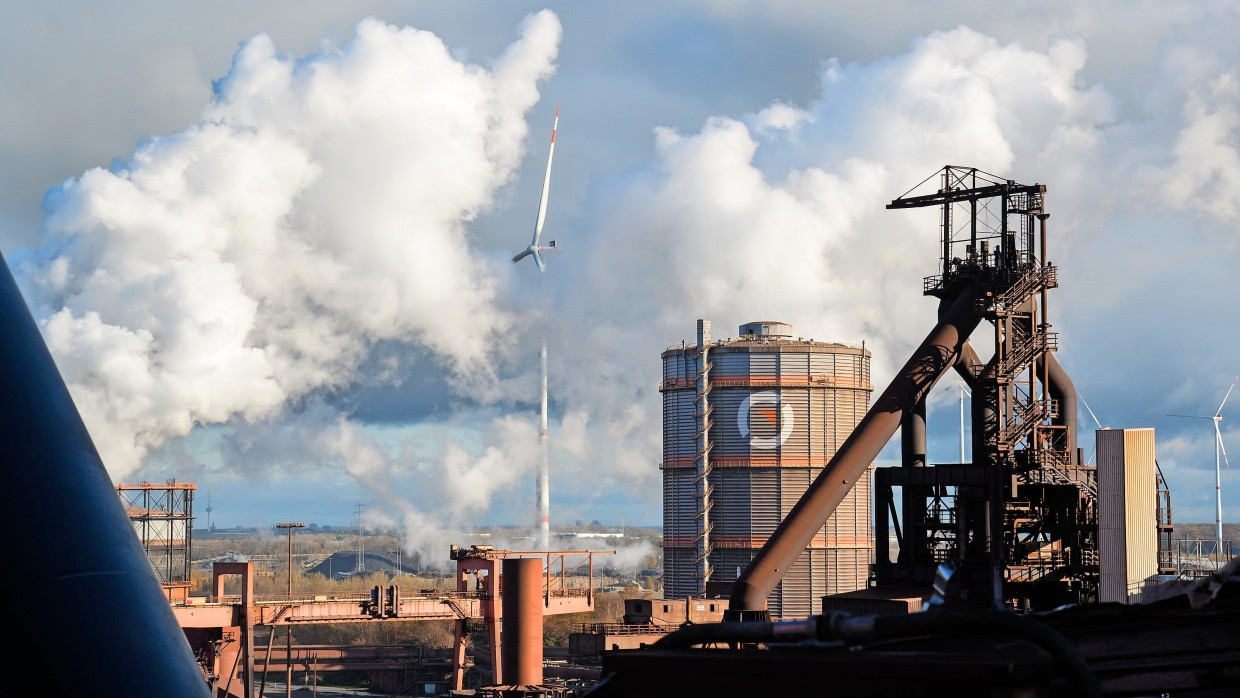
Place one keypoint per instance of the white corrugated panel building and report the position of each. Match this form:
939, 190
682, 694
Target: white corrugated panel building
1127, 514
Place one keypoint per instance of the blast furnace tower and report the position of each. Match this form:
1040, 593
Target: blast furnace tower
748, 423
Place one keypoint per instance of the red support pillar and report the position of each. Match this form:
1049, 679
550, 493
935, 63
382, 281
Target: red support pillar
458, 656
245, 570
522, 655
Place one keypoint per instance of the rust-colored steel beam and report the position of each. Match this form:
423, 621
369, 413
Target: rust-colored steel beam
936, 355
522, 654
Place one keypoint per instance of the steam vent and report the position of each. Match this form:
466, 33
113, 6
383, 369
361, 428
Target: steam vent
748, 423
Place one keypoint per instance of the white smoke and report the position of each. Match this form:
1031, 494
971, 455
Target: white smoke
780, 215
241, 269
242, 264
1205, 175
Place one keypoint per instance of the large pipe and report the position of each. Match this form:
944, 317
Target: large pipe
522, 654
1064, 390
937, 353
913, 436
912, 455
968, 365
87, 612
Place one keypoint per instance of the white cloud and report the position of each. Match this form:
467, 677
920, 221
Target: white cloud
321, 207
363, 197
1205, 175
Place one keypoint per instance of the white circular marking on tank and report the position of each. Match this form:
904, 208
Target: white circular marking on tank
786, 419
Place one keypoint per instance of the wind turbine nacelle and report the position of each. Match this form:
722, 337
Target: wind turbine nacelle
551, 244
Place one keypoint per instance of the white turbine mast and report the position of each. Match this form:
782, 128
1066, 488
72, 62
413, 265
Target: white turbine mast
1220, 457
542, 516
963, 389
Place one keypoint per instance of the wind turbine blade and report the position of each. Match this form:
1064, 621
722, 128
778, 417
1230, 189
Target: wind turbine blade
1091, 412
1219, 436
521, 256
542, 204
539, 261
1224, 402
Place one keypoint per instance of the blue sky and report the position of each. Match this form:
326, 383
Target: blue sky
270, 244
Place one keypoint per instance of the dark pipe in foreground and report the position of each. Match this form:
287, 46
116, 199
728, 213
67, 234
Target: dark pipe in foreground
856, 630
85, 611
936, 355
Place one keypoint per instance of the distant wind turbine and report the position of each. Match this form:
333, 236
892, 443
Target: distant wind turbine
543, 515
1220, 457
534, 249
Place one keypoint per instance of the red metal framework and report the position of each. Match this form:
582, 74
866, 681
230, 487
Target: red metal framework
163, 517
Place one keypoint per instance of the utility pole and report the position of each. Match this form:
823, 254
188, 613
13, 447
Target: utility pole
288, 652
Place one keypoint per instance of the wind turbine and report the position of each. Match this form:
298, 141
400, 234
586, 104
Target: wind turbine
534, 248
1220, 457
542, 517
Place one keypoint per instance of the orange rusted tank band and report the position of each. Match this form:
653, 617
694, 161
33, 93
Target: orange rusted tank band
755, 542
780, 381
779, 461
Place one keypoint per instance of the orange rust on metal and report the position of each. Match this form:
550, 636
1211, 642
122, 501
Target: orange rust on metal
771, 381
936, 355
819, 541
170, 485
238, 652
522, 654
779, 461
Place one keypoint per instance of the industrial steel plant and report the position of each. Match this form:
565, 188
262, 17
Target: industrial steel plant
1023, 572
791, 565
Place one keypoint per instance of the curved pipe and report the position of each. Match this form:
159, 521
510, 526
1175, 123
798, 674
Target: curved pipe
936, 354
88, 612
913, 436
1064, 390
966, 364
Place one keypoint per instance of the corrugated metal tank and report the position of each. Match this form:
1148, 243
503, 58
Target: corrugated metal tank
780, 407
1127, 514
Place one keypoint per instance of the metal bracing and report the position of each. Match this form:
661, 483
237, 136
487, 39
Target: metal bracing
1037, 512
162, 515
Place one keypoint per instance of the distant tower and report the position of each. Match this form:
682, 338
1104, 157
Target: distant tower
361, 539
748, 423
